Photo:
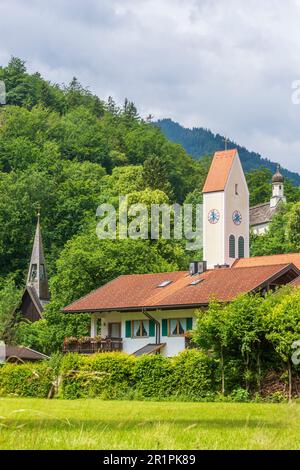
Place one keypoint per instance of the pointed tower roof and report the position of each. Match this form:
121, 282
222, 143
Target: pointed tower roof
219, 171
37, 275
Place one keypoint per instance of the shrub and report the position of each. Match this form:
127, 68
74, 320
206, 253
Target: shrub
240, 395
26, 380
154, 376
105, 375
193, 374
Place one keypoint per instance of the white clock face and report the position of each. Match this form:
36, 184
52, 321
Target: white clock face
237, 217
213, 216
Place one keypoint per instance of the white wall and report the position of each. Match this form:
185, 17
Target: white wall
236, 202
213, 234
260, 229
173, 344
216, 236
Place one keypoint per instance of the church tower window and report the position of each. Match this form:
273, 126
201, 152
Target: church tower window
33, 273
241, 247
232, 246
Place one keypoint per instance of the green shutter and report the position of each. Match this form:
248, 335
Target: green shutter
189, 324
164, 328
151, 328
128, 329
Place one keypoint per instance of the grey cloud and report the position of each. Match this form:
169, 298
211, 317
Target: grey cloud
224, 65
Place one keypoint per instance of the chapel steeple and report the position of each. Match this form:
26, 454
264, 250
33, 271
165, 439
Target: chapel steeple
37, 274
277, 188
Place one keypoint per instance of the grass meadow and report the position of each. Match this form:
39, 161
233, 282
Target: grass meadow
95, 424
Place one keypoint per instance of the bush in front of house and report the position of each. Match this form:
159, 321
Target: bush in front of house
117, 376
153, 377
26, 380
194, 374
105, 375
188, 376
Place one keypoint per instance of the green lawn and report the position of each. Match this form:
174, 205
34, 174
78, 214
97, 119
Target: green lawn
95, 424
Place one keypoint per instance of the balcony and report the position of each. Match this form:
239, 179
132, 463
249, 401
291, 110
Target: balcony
88, 345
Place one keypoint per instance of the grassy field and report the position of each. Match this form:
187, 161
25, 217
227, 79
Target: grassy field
95, 424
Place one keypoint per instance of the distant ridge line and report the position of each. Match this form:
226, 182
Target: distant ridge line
199, 142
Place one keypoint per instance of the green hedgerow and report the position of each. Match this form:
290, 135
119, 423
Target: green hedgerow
26, 380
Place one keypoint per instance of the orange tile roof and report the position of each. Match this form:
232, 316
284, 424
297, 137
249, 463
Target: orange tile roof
137, 291
268, 260
219, 171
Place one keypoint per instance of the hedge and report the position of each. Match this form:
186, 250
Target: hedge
26, 380
115, 376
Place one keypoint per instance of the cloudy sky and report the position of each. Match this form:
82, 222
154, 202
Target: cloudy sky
227, 65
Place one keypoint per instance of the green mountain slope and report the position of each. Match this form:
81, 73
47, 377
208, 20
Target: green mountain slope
199, 142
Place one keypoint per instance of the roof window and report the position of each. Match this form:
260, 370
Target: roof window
164, 284
196, 282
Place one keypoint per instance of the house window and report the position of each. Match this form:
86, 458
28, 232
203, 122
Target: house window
236, 189
241, 247
232, 246
177, 327
140, 328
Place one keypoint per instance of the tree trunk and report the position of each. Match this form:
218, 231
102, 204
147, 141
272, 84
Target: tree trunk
247, 370
258, 370
222, 372
290, 381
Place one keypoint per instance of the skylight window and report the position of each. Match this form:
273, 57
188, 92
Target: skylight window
164, 283
196, 282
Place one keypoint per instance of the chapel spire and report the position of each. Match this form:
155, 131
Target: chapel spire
277, 189
37, 274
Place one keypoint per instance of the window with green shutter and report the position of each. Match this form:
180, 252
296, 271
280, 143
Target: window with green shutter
241, 247
128, 329
232, 246
189, 324
164, 329
176, 326
151, 328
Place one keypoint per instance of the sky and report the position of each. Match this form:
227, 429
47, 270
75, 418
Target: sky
226, 65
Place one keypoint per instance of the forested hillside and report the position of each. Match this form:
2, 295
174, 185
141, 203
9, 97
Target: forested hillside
199, 141
67, 150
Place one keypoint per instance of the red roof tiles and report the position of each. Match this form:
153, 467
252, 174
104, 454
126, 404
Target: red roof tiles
139, 291
268, 260
219, 171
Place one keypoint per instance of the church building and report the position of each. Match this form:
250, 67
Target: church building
153, 313
262, 214
36, 292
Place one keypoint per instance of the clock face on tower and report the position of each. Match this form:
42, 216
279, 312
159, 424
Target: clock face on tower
213, 216
237, 218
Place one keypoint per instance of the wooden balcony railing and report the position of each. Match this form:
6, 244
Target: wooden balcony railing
90, 346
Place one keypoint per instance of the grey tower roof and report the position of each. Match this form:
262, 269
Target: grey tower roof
37, 275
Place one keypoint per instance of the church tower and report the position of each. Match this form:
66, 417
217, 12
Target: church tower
277, 189
36, 292
37, 274
225, 211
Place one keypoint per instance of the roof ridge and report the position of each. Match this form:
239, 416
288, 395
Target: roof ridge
260, 205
